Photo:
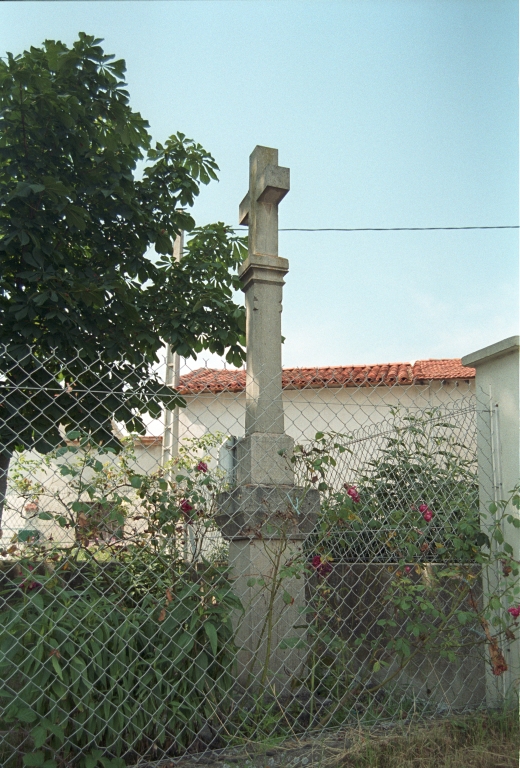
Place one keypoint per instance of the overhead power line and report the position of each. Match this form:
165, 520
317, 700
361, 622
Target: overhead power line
387, 229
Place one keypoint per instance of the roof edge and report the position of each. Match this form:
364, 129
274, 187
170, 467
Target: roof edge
492, 352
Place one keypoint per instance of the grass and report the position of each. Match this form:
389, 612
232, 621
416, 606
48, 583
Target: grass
484, 740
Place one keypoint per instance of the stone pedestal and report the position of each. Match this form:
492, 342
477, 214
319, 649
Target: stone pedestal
264, 459
266, 526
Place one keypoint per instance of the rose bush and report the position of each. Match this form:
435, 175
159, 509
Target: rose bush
110, 645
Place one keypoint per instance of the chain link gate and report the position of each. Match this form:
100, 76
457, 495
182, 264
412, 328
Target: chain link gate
155, 605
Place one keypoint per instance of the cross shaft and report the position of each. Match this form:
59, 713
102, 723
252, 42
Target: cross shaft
262, 282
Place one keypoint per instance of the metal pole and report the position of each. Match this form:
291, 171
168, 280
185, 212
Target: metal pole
172, 375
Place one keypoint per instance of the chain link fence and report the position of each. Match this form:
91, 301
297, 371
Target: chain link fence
170, 585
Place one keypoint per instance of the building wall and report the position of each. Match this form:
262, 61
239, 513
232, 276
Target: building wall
17, 518
309, 411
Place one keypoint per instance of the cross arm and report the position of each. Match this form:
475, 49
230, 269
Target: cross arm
243, 211
273, 184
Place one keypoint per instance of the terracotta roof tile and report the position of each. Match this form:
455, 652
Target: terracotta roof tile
442, 369
212, 380
217, 380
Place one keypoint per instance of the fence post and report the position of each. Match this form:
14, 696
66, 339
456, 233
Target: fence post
171, 379
265, 517
498, 443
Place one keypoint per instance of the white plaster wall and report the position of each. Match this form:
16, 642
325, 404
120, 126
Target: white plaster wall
319, 410
147, 460
497, 395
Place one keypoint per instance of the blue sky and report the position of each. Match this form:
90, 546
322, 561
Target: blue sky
393, 113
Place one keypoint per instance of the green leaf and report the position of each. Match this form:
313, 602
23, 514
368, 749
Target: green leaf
136, 481
115, 762
39, 735
286, 597
76, 216
164, 245
211, 632
292, 642
27, 715
251, 582
57, 668
92, 760
38, 601
34, 759
55, 729
80, 506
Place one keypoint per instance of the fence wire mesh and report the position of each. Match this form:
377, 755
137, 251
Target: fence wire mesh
171, 584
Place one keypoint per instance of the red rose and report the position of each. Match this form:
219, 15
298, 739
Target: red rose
322, 566
352, 492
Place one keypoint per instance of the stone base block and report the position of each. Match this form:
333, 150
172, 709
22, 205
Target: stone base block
259, 461
267, 512
270, 633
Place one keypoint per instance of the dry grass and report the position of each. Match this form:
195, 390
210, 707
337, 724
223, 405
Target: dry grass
477, 741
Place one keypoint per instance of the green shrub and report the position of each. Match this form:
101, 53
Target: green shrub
96, 678
420, 459
113, 646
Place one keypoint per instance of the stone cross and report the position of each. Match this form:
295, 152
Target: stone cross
268, 185
262, 280
265, 517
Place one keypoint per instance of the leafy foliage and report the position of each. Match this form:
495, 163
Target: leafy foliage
419, 548
83, 305
418, 461
113, 643
97, 677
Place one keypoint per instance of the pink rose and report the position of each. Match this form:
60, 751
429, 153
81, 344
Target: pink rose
515, 612
423, 508
427, 516
407, 568
186, 506
202, 467
352, 492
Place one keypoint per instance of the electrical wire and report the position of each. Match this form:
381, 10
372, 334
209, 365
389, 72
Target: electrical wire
389, 229
382, 229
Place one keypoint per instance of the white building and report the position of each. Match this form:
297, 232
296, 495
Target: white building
356, 400
342, 399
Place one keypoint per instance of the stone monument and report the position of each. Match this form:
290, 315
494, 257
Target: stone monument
266, 517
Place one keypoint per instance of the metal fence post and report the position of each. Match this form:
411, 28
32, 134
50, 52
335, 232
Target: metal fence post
171, 378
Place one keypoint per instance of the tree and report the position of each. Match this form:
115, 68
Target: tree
83, 304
